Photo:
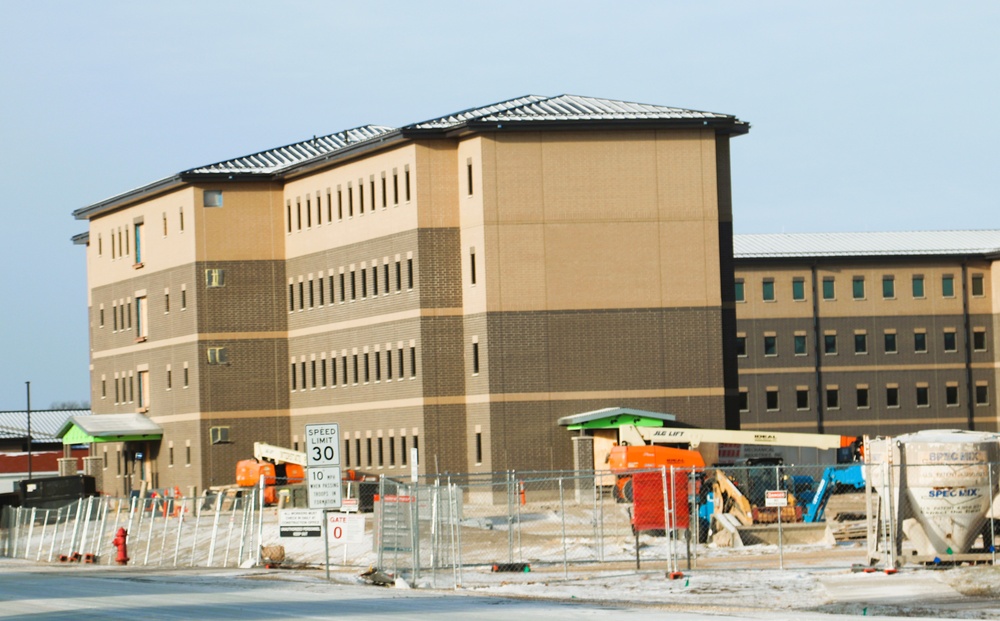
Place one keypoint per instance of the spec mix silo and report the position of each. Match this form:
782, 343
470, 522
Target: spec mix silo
941, 485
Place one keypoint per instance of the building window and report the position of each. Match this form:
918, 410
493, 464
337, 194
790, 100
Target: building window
920, 342
948, 286
892, 396
357, 451
340, 203
184, 298
888, 287
830, 344
977, 285
801, 399
413, 361
741, 346
141, 318
861, 343
479, 436
771, 398
392, 439
350, 201
381, 458
468, 180
770, 345
368, 446
409, 274
180, 219
212, 198
399, 276
354, 364
364, 282
950, 342
354, 286
472, 265
402, 450
143, 379
166, 301
399, 359
347, 451
138, 243
829, 292
312, 295
374, 280
767, 289
406, 182
918, 286
361, 196
395, 187
861, 394
740, 292
218, 355
798, 289
343, 289
832, 398
890, 342
744, 400
979, 339
800, 344
215, 278
982, 394
367, 367
951, 394
858, 287
186, 375
219, 435
385, 197
475, 358
923, 396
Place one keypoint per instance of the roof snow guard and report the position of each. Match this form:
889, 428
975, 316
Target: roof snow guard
532, 110
274, 161
902, 243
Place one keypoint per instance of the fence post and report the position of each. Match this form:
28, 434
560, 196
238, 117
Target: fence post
182, 508
197, 523
562, 510
510, 517
992, 520
215, 528
41, 537
152, 522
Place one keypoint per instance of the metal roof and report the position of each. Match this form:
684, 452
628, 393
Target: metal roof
112, 425
276, 160
529, 109
536, 108
45, 424
900, 243
584, 417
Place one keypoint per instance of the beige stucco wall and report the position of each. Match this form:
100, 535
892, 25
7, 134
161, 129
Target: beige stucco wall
598, 220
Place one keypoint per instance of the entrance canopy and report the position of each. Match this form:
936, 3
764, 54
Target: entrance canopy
109, 428
613, 418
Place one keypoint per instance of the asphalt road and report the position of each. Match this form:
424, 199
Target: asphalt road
82, 592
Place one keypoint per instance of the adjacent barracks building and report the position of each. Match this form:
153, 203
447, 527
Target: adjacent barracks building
453, 286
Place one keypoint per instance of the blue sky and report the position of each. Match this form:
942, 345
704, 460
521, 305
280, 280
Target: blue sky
866, 116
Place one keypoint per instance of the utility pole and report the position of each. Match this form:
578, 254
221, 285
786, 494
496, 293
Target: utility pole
28, 384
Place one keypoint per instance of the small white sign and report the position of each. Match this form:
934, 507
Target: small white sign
776, 498
300, 517
343, 528
349, 505
323, 444
324, 487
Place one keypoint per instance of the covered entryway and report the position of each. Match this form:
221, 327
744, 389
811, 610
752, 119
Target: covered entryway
138, 436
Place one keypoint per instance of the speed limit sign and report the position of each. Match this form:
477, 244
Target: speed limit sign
323, 444
323, 461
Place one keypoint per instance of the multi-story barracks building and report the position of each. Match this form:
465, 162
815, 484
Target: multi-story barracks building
868, 333
453, 286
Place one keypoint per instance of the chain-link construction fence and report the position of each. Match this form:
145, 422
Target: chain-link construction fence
453, 530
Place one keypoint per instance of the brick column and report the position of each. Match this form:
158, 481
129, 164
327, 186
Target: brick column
67, 466
94, 466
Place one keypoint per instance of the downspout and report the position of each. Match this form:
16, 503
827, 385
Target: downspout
816, 350
967, 329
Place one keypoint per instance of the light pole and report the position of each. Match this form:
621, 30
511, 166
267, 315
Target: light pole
28, 385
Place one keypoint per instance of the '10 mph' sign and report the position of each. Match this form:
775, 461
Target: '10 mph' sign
323, 461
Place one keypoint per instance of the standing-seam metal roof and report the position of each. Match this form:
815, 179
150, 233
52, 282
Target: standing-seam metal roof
527, 109
45, 424
534, 108
899, 243
275, 160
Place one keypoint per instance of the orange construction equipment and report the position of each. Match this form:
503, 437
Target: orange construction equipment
624, 459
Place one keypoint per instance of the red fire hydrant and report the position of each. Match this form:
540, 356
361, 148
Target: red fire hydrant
120, 542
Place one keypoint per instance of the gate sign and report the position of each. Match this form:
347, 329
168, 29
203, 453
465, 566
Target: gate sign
323, 444
345, 529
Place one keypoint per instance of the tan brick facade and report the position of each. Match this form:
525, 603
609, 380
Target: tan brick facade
457, 293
